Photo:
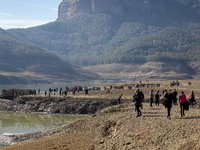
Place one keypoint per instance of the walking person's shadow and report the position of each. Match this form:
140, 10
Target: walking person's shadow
192, 117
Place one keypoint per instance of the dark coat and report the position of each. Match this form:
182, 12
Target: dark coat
168, 100
137, 98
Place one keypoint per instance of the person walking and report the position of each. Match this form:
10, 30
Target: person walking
192, 98
157, 98
137, 98
175, 98
182, 99
168, 98
134, 100
151, 96
119, 99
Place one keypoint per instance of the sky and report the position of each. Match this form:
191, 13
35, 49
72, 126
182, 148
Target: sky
27, 13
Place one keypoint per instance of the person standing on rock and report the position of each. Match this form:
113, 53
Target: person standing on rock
45, 93
137, 98
182, 99
168, 98
119, 99
151, 96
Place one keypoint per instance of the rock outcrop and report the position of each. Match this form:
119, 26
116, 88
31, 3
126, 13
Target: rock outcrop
55, 105
71, 8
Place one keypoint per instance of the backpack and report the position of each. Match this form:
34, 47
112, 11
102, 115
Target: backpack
164, 99
156, 96
186, 105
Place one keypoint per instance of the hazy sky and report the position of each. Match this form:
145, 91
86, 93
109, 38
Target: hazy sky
27, 13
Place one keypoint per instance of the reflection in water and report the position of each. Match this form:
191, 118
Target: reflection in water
16, 123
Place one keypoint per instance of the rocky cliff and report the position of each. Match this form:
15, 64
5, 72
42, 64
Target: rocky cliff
71, 8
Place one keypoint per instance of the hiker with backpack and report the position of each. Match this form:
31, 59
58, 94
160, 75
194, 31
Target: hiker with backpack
192, 98
168, 98
157, 98
182, 99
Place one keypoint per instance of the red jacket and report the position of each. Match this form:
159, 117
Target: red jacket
182, 98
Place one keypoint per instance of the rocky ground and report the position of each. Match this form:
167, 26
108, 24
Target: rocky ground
53, 105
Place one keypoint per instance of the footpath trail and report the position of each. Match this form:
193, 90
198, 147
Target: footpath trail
117, 128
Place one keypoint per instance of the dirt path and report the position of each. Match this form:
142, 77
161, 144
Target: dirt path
117, 127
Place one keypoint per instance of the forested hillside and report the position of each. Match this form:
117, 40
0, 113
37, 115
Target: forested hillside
27, 63
170, 31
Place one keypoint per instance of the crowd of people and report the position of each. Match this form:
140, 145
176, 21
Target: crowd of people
168, 99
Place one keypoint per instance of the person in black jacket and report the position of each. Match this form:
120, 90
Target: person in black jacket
119, 99
137, 98
175, 98
168, 102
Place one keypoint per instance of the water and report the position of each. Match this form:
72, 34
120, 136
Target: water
17, 123
45, 87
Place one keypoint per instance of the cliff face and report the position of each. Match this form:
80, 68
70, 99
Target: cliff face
71, 8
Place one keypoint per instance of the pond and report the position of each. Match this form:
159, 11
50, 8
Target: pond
17, 123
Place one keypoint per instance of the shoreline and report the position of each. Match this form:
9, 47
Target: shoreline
11, 107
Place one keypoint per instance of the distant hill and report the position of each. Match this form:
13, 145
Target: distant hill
155, 30
27, 63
